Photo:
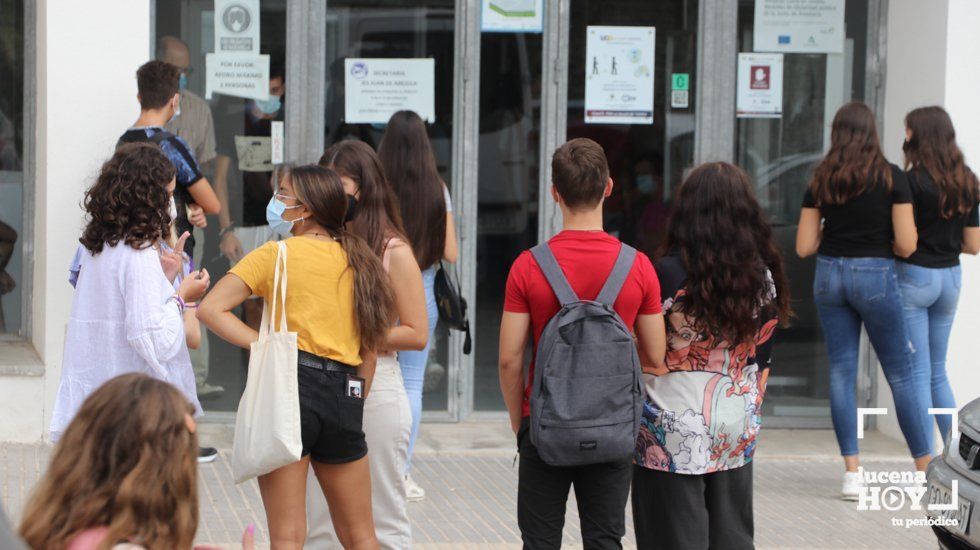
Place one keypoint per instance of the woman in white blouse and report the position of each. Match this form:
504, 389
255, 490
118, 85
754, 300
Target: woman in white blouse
125, 315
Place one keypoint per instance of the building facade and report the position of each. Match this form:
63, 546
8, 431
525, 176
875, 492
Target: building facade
503, 99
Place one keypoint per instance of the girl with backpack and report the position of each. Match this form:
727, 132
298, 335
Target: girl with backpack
387, 416
857, 216
426, 210
724, 291
340, 305
944, 194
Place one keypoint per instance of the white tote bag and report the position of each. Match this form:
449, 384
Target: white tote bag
267, 429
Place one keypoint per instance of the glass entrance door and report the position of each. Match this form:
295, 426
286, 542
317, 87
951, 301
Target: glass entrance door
646, 161
507, 215
779, 154
398, 29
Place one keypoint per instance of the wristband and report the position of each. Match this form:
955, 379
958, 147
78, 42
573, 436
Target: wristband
179, 301
222, 233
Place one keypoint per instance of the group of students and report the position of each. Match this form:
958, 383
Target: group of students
360, 301
365, 229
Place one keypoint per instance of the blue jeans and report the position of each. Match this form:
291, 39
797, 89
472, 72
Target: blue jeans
413, 362
849, 292
930, 296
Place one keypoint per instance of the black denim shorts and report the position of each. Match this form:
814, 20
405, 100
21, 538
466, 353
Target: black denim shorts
331, 421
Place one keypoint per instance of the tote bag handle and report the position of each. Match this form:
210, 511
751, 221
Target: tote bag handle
279, 285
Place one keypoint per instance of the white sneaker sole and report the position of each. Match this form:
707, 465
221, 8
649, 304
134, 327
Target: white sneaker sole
415, 498
212, 458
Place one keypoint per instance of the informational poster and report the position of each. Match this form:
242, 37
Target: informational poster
512, 16
254, 153
237, 75
378, 88
619, 75
800, 26
236, 26
760, 85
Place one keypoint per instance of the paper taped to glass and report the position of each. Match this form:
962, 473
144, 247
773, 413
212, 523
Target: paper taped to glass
254, 153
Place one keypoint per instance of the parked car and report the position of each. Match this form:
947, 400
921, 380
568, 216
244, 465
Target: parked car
960, 462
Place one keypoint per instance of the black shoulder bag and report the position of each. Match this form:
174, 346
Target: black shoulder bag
452, 306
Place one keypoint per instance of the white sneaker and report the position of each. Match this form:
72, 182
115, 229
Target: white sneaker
851, 486
413, 492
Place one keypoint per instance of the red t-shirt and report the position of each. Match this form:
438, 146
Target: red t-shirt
586, 258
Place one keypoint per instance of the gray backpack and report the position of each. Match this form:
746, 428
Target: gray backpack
586, 399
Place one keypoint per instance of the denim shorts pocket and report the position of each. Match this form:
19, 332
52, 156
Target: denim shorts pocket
871, 283
913, 275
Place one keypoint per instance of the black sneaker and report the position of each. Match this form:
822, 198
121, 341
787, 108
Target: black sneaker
206, 454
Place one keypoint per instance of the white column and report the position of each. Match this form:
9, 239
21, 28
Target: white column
86, 97
962, 82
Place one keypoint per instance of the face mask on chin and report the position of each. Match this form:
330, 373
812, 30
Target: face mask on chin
269, 106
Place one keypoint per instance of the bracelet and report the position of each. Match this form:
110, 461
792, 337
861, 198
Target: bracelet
179, 301
222, 233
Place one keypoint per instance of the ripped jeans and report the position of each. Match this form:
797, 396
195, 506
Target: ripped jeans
849, 292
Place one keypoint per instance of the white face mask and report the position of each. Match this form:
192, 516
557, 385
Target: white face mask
173, 208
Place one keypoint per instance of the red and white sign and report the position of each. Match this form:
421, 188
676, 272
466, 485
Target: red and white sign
760, 85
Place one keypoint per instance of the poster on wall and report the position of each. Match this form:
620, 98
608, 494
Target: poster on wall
512, 16
619, 75
236, 26
378, 88
799, 26
237, 75
760, 85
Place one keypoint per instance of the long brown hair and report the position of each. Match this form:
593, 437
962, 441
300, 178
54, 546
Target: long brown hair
726, 246
378, 218
855, 162
129, 202
933, 148
408, 161
127, 462
321, 190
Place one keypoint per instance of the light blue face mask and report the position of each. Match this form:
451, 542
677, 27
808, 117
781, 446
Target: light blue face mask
269, 106
644, 184
273, 215
183, 80
176, 113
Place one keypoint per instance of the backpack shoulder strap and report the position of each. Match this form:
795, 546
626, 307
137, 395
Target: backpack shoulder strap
552, 271
159, 137
621, 269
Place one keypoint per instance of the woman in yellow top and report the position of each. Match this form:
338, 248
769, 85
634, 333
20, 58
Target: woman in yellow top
340, 305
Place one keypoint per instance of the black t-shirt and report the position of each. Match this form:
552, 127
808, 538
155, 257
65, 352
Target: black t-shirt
940, 240
862, 227
237, 117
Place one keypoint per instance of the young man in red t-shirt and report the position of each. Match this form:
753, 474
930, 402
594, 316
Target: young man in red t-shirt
586, 255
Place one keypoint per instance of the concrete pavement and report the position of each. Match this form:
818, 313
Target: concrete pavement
468, 470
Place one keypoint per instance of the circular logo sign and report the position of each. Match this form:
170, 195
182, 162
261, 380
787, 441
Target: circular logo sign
236, 18
359, 70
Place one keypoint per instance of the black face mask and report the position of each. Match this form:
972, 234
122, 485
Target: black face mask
351, 209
